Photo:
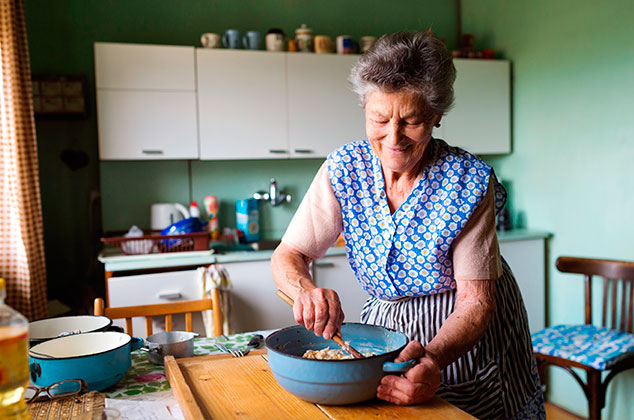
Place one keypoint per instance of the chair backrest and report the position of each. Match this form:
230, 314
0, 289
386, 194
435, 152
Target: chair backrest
616, 275
186, 307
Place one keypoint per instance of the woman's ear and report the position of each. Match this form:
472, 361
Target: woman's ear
437, 119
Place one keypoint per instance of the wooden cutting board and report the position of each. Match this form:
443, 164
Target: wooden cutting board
223, 387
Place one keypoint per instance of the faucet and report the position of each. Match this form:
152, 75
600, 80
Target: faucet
274, 196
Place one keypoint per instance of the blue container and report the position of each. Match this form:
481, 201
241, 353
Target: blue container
99, 358
335, 382
189, 225
248, 219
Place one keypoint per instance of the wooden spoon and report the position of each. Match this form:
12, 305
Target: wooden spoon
336, 338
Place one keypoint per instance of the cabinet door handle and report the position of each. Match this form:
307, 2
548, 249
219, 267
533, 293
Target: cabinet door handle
304, 151
152, 152
278, 151
170, 295
324, 264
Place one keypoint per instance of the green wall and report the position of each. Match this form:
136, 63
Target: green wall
61, 36
573, 143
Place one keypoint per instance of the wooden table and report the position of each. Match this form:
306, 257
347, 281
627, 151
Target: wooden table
224, 387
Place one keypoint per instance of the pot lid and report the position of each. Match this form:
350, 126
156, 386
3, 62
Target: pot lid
303, 30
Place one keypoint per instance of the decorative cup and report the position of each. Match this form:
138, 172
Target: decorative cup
232, 39
323, 44
210, 40
345, 44
367, 42
292, 45
252, 40
275, 41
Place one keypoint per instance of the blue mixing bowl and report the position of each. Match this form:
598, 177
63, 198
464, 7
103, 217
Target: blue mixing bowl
335, 382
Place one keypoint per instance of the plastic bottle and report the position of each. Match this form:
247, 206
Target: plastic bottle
211, 206
194, 211
14, 361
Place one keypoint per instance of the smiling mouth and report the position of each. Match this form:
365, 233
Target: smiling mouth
397, 149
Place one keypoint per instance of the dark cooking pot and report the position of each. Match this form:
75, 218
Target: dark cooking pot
335, 382
99, 358
45, 329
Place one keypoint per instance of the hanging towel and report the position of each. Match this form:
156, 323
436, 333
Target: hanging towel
212, 277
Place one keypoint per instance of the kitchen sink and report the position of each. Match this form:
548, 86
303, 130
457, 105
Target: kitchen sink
268, 244
264, 245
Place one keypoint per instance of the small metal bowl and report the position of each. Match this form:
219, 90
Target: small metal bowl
175, 343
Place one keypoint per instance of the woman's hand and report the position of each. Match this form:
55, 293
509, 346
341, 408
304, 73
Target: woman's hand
319, 310
418, 385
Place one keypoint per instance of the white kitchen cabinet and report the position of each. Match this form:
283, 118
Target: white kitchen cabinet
242, 108
254, 301
260, 104
148, 289
146, 101
323, 111
480, 121
334, 272
526, 257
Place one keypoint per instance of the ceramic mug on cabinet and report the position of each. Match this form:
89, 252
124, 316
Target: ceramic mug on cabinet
323, 44
367, 42
252, 40
275, 40
345, 44
232, 39
210, 40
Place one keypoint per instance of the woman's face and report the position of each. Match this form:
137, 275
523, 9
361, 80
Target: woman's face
399, 129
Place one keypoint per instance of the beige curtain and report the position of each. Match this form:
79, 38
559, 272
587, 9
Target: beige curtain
21, 239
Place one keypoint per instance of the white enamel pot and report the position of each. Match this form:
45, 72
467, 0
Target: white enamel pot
46, 329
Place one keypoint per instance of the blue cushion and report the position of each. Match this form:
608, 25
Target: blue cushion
590, 345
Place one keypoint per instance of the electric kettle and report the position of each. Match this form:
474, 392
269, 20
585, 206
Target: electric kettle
164, 214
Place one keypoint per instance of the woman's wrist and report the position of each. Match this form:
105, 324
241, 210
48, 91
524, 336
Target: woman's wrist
431, 356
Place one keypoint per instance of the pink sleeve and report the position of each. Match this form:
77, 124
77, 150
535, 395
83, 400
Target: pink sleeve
476, 254
317, 222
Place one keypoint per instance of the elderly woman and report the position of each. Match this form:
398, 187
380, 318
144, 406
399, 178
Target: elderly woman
418, 219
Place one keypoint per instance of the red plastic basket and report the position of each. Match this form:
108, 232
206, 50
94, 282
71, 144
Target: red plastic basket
153, 242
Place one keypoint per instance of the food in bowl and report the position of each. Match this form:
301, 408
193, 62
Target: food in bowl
331, 354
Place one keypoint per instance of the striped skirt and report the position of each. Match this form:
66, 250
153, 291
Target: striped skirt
497, 379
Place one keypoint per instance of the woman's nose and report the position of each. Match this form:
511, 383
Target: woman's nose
393, 133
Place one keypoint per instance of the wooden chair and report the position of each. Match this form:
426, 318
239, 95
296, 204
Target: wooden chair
607, 348
186, 307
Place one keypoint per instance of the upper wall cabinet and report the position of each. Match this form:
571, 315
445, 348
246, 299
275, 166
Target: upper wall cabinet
480, 120
323, 112
257, 104
146, 101
242, 111
172, 102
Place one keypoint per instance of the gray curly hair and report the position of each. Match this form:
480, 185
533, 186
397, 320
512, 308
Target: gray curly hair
417, 62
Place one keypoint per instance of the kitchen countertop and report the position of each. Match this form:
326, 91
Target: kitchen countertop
114, 261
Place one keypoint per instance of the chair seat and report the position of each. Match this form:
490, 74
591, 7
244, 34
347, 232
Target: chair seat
590, 345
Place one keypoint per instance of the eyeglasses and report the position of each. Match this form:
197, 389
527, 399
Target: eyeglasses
60, 389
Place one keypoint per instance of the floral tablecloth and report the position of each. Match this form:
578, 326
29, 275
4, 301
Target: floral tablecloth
145, 377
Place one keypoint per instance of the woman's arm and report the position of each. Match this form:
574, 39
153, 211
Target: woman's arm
475, 306
315, 308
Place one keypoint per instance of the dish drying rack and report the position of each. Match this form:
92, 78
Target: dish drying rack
153, 242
